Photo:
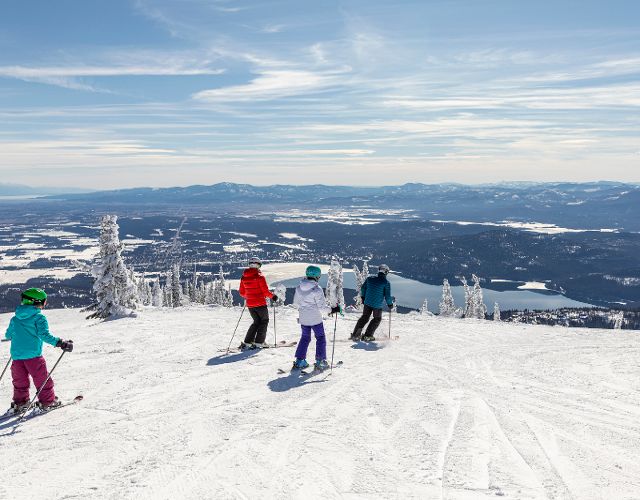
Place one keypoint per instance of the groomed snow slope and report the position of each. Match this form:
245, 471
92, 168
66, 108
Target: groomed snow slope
454, 409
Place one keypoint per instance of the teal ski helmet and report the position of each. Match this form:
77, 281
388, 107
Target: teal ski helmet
34, 297
313, 272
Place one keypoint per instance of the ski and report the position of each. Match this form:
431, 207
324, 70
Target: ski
282, 343
306, 371
35, 412
378, 339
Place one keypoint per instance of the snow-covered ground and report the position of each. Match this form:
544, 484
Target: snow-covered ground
453, 409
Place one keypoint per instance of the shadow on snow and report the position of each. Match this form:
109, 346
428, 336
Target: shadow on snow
366, 346
225, 358
293, 380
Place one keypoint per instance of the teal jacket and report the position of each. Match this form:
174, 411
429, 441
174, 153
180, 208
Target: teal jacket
27, 330
375, 291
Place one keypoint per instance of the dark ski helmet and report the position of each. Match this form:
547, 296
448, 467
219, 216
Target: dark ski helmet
255, 262
313, 272
384, 269
34, 297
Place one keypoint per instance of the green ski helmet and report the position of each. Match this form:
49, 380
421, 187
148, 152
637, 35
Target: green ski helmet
313, 272
34, 297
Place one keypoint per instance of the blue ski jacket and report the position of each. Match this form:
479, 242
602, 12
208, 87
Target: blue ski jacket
27, 330
375, 291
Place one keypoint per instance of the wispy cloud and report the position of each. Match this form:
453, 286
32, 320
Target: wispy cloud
272, 84
47, 72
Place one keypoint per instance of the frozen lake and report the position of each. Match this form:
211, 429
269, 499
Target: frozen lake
411, 293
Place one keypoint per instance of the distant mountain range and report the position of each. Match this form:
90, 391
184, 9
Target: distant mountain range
22, 190
610, 205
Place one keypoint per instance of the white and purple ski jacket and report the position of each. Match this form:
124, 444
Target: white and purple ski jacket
311, 303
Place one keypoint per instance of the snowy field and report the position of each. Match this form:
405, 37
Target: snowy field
453, 409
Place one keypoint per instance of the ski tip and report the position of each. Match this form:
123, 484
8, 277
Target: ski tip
79, 397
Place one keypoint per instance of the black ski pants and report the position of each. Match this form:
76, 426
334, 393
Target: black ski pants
257, 332
364, 319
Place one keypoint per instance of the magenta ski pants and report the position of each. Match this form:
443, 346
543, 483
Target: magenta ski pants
21, 369
305, 339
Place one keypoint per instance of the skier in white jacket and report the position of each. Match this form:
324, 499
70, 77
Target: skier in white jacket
311, 303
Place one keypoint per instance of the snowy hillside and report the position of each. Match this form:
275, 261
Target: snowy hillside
455, 409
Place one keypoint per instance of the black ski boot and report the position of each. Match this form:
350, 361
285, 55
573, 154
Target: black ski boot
355, 336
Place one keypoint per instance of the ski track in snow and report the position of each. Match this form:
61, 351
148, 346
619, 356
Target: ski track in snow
453, 409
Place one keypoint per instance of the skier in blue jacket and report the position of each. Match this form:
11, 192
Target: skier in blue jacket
375, 291
27, 331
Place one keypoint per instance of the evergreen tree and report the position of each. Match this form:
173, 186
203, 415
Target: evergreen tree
447, 305
335, 288
468, 299
361, 277
167, 291
478, 308
176, 287
618, 320
201, 294
185, 292
116, 292
424, 310
496, 312
156, 293
229, 298
209, 296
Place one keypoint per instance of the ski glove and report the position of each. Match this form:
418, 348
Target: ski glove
336, 309
65, 345
275, 300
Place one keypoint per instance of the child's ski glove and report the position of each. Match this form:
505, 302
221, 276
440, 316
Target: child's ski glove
336, 309
65, 345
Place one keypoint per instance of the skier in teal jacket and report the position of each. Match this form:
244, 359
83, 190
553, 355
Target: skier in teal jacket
375, 291
27, 331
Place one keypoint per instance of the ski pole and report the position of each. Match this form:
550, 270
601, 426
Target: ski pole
390, 323
5, 368
333, 348
237, 325
275, 331
24, 413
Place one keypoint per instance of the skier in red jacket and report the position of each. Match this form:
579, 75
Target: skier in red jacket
254, 289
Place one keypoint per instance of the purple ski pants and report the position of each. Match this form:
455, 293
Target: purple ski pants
37, 368
321, 342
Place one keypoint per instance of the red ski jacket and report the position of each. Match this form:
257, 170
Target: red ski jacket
253, 288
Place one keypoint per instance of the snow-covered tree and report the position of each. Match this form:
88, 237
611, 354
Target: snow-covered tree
116, 292
496, 312
468, 299
228, 302
335, 289
361, 276
447, 305
143, 287
176, 288
156, 293
201, 293
209, 294
168, 295
618, 320
424, 309
185, 293
478, 308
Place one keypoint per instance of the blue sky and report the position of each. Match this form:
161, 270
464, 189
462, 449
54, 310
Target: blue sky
125, 93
